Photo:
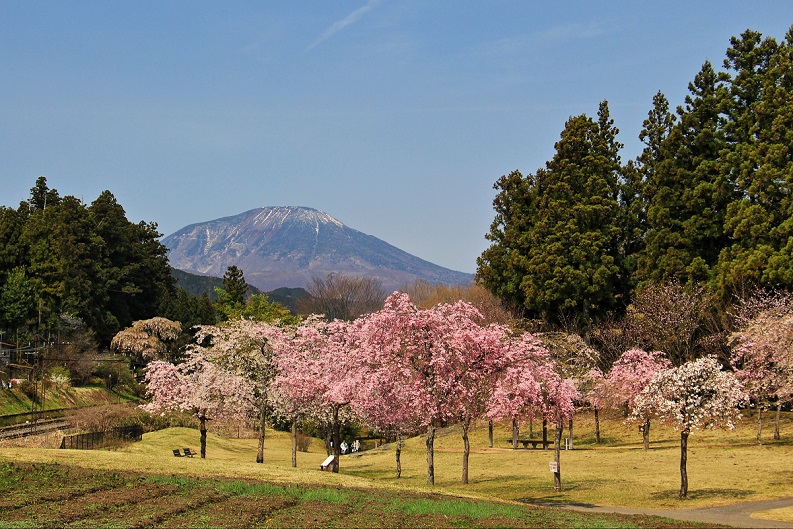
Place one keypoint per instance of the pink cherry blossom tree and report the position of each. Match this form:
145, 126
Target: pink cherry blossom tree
317, 375
694, 396
628, 376
762, 352
594, 391
479, 356
385, 404
516, 392
444, 360
574, 359
199, 387
557, 406
387, 391
245, 349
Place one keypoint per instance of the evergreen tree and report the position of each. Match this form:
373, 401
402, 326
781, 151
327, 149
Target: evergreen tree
685, 194
12, 253
17, 301
42, 196
187, 309
63, 263
557, 238
234, 284
90, 262
501, 267
760, 163
638, 179
134, 266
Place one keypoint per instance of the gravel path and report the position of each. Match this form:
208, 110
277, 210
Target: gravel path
735, 515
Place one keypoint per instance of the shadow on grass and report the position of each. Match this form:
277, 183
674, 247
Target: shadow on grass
554, 502
703, 494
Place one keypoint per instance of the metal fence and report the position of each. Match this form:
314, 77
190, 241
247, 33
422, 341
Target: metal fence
89, 441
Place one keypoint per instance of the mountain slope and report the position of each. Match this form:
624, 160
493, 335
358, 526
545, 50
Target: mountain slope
287, 246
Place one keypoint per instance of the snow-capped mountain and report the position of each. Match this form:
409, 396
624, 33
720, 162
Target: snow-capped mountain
287, 246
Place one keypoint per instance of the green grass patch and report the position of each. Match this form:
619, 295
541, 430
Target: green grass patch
338, 496
181, 483
468, 509
241, 488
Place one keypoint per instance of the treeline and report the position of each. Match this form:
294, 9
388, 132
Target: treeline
62, 258
707, 205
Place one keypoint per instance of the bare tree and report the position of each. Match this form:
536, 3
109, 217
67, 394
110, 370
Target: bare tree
341, 297
426, 295
669, 317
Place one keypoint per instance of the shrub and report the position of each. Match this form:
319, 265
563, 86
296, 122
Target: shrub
29, 389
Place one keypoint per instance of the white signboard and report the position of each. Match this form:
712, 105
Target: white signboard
554, 467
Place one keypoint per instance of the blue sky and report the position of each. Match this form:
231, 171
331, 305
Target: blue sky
394, 116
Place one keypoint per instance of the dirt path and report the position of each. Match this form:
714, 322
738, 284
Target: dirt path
736, 515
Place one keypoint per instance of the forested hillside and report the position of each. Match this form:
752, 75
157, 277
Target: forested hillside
61, 257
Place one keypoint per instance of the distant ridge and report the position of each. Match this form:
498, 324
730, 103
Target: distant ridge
286, 246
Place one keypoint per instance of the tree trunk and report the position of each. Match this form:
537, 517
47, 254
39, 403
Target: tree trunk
328, 439
490, 434
399, 444
645, 428
336, 429
683, 458
557, 446
294, 444
531, 428
431, 454
570, 433
759, 425
776, 428
515, 433
597, 426
466, 452
262, 423
545, 434
202, 421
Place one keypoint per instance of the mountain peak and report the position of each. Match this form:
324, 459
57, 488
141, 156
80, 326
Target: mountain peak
274, 214
286, 246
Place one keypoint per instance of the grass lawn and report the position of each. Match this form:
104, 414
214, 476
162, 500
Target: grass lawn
723, 467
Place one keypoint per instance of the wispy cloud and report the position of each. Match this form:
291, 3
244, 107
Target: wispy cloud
344, 23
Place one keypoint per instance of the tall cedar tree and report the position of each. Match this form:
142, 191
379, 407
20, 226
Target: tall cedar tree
133, 265
63, 263
556, 236
639, 179
760, 163
501, 267
685, 194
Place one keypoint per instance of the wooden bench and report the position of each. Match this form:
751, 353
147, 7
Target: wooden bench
326, 464
188, 452
177, 453
533, 442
